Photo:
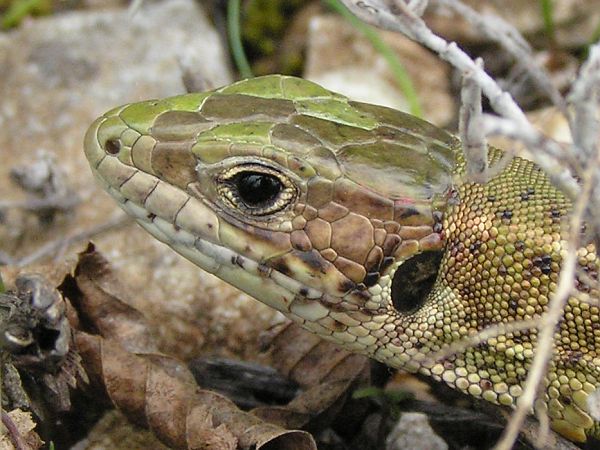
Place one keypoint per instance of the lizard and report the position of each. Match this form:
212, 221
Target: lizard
358, 222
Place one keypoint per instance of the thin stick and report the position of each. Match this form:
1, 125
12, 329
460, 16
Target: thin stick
57, 245
402, 18
470, 132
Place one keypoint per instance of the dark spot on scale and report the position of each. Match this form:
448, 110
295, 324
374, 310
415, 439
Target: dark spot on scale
502, 270
475, 246
448, 365
151, 216
513, 305
536, 271
385, 263
519, 246
314, 260
371, 279
546, 259
581, 286
361, 287
437, 227
537, 261
491, 198
524, 335
209, 226
237, 261
176, 227
506, 214
530, 191
437, 216
339, 326
565, 400
572, 356
282, 267
347, 286
363, 295
483, 346
263, 269
486, 385
408, 212
418, 345
546, 270
555, 213
334, 307
303, 291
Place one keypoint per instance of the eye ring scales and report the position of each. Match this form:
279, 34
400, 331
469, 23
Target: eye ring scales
256, 189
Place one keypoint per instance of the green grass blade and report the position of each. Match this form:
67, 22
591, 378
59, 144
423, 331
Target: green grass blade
235, 39
548, 16
396, 66
17, 11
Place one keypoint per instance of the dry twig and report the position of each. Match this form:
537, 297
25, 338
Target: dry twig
403, 18
564, 164
470, 132
58, 246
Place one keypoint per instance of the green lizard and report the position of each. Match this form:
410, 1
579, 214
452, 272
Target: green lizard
355, 221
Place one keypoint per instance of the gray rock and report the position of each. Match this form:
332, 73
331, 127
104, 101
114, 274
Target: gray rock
414, 432
57, 74
363, 74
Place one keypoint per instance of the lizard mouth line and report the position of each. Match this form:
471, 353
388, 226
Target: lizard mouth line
241, 271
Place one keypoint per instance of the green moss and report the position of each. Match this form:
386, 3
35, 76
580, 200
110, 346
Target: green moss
264, 24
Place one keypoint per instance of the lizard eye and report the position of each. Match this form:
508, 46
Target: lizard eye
256, 189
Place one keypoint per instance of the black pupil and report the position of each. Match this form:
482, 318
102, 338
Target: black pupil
257, 188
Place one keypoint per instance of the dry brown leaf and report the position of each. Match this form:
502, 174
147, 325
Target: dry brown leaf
327, 373
96, 292
153, 390
159, 393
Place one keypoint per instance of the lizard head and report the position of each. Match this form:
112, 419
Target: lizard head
343, 216
329, 210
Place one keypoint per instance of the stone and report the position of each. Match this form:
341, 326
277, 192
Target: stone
413, 431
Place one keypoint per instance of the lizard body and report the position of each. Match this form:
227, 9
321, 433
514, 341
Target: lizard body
355, 221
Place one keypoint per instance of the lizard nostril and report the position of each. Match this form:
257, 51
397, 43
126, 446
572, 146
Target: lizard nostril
112, 146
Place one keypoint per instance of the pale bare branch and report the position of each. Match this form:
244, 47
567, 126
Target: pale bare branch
470, 132
401, 18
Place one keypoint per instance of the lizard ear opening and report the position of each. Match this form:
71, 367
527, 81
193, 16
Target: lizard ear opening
414, 279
